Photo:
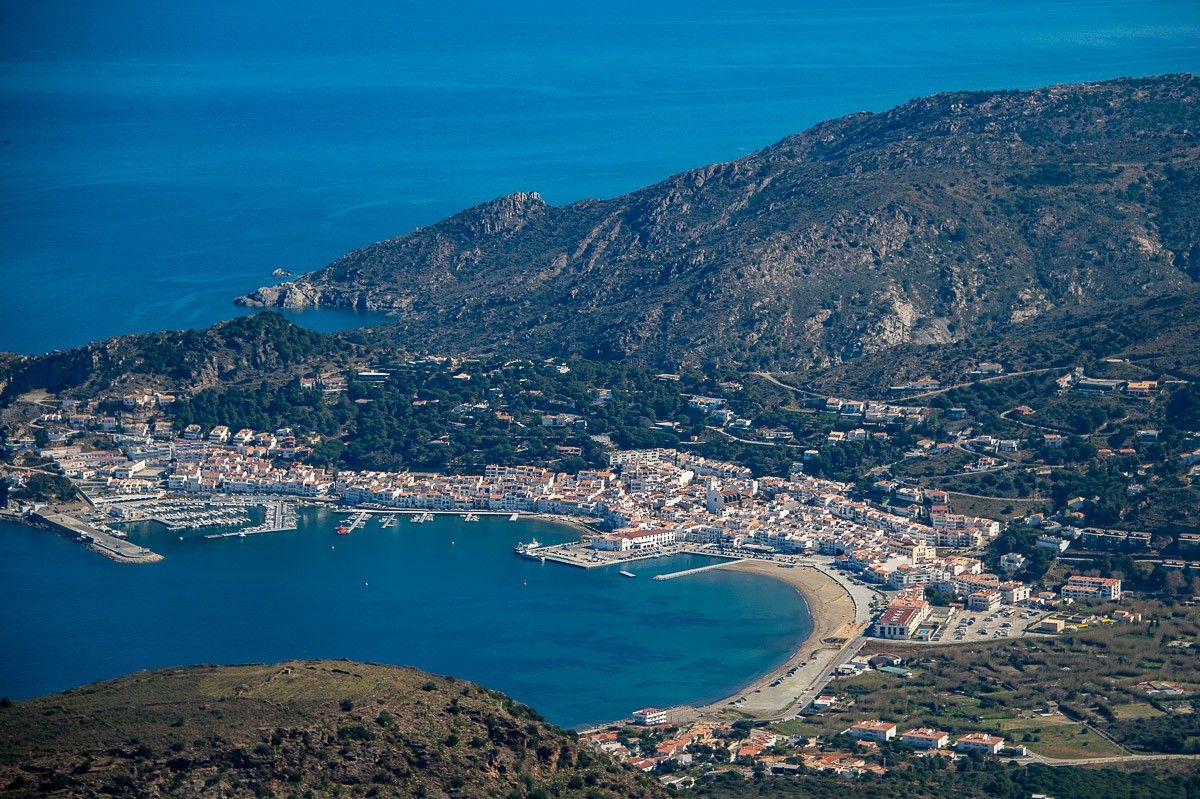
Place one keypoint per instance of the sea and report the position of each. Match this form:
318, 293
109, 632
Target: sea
159, 159
581, 646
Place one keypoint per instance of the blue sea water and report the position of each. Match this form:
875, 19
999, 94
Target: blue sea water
447, 596
158, 159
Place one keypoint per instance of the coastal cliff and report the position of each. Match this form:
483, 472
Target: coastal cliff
943, 218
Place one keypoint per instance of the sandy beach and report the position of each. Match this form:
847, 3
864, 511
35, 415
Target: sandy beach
837, 618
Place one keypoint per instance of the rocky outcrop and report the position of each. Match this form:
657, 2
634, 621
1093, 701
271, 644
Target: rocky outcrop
945, 217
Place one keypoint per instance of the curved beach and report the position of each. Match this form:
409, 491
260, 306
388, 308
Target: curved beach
836, 622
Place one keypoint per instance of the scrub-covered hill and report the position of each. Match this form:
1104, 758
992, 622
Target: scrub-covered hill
935, 221
294, 729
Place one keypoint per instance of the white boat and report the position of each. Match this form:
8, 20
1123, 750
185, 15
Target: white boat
470, 517
523, 549
627, 574
420, 518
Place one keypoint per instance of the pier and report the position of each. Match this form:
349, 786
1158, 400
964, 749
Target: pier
97, 539
698, 569
584, 558
281, 517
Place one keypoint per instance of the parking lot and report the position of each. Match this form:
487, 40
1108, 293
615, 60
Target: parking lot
1004, 622
958, 626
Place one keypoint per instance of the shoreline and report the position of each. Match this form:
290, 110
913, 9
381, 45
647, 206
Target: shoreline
834, 614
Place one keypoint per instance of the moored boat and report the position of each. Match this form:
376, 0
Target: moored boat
523, 549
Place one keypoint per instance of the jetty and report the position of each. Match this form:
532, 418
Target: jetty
96, 539
698, 569
390, 520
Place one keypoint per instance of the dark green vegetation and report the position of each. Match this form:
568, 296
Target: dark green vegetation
247, 348
39, 487
295, 729
932, 779
943, 218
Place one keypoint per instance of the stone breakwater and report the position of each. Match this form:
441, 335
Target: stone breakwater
95, 539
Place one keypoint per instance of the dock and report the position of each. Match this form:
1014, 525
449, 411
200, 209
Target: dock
698, 569
281, 517
97, 539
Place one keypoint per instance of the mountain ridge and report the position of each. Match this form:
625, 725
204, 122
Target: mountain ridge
947, 215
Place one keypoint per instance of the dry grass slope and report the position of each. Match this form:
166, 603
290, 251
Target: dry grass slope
295, 729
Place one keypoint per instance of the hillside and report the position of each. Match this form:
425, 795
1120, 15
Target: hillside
932, 222
295, 728
1158, 334
242, 350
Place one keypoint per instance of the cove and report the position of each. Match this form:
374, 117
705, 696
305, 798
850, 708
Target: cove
580, 646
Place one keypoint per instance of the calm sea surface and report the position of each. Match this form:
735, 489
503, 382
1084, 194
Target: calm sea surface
447, 596
159, 159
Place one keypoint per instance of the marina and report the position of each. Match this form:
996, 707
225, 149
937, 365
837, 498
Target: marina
281, 517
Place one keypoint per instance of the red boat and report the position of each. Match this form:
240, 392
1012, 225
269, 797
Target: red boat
343, 530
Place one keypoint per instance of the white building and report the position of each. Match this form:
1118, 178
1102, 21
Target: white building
872, 731
650, 716
979, 742
1080, 587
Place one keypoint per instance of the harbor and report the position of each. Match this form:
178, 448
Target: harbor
281, 517
96, 538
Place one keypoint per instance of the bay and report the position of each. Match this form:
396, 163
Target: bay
448, 596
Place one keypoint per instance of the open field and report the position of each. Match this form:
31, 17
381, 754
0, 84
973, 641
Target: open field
1091, 675
1067, 742
1135, 710
1002, 508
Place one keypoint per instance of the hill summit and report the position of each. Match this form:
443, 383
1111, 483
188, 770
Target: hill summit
296, 728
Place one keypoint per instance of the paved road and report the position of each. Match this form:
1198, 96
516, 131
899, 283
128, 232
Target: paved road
1090, 761
748, 441
771, 379
931, 393
944, 389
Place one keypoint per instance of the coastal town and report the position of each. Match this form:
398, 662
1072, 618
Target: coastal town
601, 401
648, 502
885, 561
